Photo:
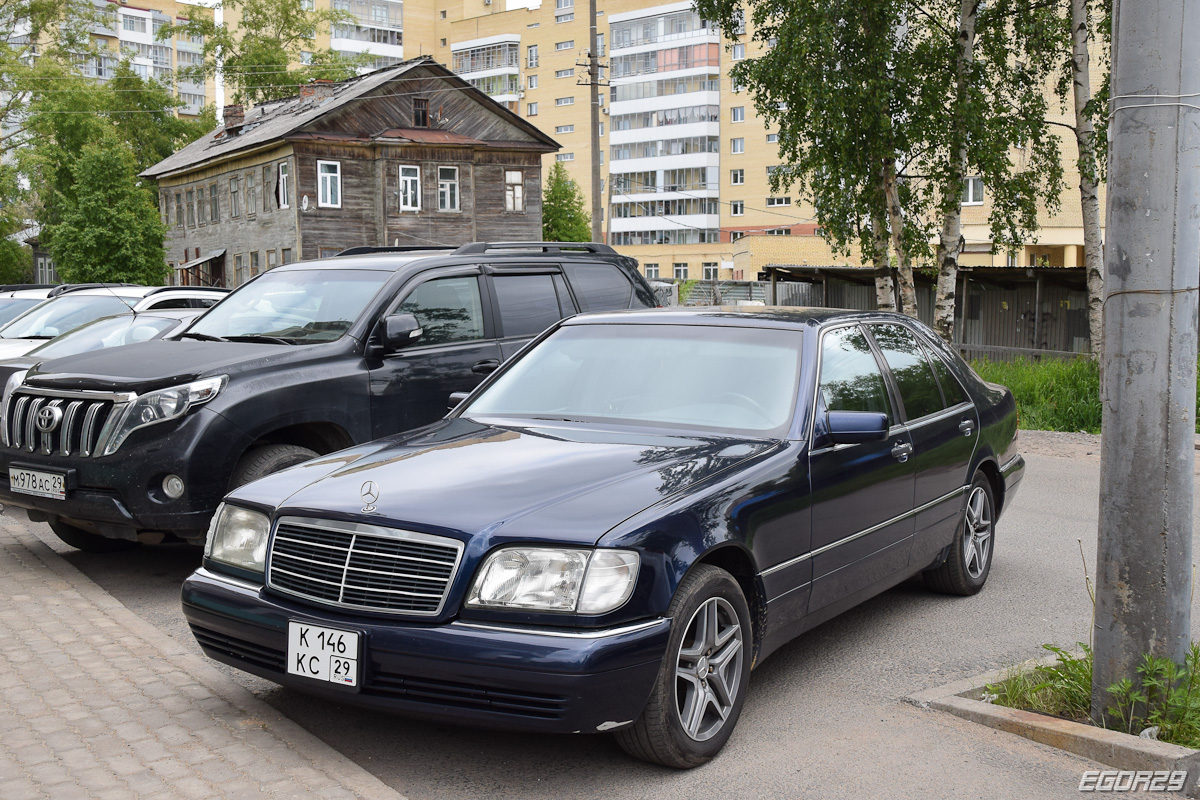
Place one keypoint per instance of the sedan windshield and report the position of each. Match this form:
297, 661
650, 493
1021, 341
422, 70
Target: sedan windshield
63, 314
10, 307
107, 332
292, 307
727, 378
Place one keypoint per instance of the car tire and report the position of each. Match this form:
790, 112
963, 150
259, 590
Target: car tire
262, 461
707, 662
966, 568
90, 542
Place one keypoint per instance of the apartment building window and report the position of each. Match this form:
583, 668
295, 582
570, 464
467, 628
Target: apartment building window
564, 10
569, 44
134, 24
308, 5
973, 191
651, 271
191, 208
531, 109
564, 157
564, 73
737, 114
531, 81
179, 209
420, 113
711, 270
601, 130
443, 41
531, 56
564, 101
443, 12
738, 52
410, 188
329, 184
779, 232
283, 189
681, 271
778, 201
214, 204
305, 56
737, 145
772, 138
737, 208
447, 188
201, 208
599, 41
285, 256
564, 129
735, 235
235, 197
251, 195
737, 177
514, 191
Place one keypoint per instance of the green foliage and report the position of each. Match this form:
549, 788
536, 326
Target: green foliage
1052, 394
254, 56
1063, 689
142, 112
16, 260
564, 218
111, 230
685, 290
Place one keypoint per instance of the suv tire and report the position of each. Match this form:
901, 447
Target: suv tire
262, 461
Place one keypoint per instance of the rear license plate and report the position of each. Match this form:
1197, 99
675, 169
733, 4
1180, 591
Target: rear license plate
323, 654
38, 483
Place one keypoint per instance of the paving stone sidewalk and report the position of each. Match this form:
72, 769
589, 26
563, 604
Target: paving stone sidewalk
96, 703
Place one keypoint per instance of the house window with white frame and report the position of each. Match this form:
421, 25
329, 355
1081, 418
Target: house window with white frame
737, 208
681, 270
329, 184
737, 145
564, 157
569, 44
531, 109
564, 101
737, 177
283, 190
410, 188
711, 270
448, 189
778, 201
972, 191
564, 129
772, 138
514, 191
737, 114
531, 57
738, 52
564, 10
564, 73
651, 271
531, 82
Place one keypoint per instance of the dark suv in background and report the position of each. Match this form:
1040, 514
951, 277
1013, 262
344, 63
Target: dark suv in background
140, 443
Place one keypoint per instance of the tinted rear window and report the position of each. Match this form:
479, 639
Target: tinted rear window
528, 303
599, 287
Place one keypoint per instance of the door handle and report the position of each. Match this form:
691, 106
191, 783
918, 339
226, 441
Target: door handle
967, 427
486, 366
902, 451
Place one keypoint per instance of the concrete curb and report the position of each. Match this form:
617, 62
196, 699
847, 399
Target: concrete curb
256, 712
1113, 748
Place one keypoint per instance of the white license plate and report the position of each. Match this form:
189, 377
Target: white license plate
36, 482
324, 654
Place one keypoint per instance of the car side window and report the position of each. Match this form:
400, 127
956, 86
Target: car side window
850, 375
528, 303
914, 378
599, 287
952, 390
449, 309
174, 302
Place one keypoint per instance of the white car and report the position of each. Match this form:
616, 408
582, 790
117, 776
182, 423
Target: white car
76, 305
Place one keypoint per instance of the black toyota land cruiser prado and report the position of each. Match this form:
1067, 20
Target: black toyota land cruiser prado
139, 443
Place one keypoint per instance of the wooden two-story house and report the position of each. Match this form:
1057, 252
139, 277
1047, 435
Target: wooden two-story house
407, 155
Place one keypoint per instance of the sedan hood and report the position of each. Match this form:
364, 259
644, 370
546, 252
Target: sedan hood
566, 483
154, 365
12, 348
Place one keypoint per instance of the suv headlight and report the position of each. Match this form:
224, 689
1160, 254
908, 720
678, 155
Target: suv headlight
161, 406
555, 579
238, 536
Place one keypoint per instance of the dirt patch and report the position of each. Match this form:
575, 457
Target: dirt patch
1059, 445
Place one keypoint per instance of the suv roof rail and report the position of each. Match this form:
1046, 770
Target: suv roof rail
158, 289
75, 287
16, 287
399, 248
545, 247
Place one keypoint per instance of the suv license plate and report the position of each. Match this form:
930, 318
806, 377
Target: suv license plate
38, 483
324, 654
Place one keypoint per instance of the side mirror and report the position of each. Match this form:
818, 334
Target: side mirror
400, 331
853, 427
456, 399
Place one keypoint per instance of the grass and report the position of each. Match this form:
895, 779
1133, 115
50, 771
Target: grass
1164, 695
1053, 394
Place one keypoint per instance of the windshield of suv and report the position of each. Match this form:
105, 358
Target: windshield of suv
10, 307
107, 332
65, 313
292, 306
694, 376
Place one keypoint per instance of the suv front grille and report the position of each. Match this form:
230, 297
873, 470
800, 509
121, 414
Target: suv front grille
81, 425
364, 567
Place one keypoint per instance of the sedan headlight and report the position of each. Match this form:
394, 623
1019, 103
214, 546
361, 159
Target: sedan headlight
555, 579
238, 537
162, 405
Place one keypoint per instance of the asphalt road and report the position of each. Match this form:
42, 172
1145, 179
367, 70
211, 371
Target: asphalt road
824, 717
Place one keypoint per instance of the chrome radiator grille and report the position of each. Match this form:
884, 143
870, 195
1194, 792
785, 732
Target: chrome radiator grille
364, 567
81, 422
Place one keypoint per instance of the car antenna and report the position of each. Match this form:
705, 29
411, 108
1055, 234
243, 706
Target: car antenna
129, 305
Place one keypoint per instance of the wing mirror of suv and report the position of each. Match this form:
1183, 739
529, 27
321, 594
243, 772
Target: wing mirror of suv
400, 331
853, 427
456, 399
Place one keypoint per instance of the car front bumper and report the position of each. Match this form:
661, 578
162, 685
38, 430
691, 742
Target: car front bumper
515, 678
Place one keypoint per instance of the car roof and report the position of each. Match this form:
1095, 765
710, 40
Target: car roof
36, 294
494, 253
742, 316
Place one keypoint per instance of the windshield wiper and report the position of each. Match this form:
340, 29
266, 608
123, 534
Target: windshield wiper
259, 337
204, 337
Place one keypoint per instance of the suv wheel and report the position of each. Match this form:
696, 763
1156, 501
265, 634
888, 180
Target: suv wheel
262, 461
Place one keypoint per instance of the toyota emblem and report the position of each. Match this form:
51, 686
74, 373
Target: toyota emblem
48, 418
370, 494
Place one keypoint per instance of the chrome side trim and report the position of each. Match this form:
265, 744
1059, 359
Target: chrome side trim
899, 518
229, 579
946, 412
1010, 463
561, 634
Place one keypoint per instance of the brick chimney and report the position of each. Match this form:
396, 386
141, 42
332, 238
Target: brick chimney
234, 116
317, 90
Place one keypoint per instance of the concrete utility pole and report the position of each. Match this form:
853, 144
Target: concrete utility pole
1144, 560
594, 98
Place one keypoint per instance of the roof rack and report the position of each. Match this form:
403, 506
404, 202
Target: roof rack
545, 247
158, 289
16, 287
75, 287
399, 248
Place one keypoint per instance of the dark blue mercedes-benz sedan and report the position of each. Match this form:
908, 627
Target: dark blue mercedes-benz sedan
618, 525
